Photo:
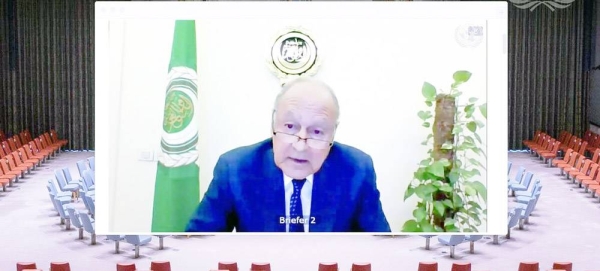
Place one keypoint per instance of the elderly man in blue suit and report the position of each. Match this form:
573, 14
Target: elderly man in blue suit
299, 180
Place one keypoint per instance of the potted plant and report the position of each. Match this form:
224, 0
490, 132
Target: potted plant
450, 196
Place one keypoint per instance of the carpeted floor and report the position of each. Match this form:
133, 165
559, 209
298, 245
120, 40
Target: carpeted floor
564, 227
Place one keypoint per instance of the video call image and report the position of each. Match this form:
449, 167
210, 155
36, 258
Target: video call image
289, 119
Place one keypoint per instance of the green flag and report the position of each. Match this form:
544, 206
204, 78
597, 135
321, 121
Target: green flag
177, 191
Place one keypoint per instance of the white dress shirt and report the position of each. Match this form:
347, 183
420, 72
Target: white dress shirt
305, 196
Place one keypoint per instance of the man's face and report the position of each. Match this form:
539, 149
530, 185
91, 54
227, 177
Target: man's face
306, 110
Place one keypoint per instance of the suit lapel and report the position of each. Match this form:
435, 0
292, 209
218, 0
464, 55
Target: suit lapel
324, 202
273, 194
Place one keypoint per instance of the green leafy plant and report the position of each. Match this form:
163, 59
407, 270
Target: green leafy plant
450, 198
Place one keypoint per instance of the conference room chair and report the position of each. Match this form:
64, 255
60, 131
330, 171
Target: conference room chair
160, 266
74, 215
62, 212
69, 178
229, 266
25, 265
361, 267
13, 174
428, 266
117, 239
12, 159
260, 266
20, 161
60, 266
514, 216
137, 241
64, 186
126, 267
529, 266
567, 266
461, 266
452, 241
524, 186
56, 138
328, 266
88, 226
81, 167
55, 192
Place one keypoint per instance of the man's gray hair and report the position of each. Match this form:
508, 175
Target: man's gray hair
290, 84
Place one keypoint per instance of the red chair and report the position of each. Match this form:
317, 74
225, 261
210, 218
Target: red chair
25, 265
328, 267
229, 266
461, 266
160, 266
567, 266
60, 266
529, 266
260, 267
361, 267
126, 267
428, 266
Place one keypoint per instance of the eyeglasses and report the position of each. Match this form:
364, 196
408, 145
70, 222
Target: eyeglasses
316, 144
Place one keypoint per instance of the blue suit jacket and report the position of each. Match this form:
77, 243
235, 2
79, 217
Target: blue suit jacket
247, 194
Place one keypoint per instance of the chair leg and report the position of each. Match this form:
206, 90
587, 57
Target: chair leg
137, 251
93, 238
508, 234
452, 252
117, 247
68, 222
80, 233
521, 222
160, 242
472, 248
496, 239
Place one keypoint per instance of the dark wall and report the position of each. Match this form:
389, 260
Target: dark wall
47, 69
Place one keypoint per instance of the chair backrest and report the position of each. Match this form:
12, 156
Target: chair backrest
583, 147
81, 166
527, 179
519, 176
596, 155
74, 216
61, 209
87, 179
562, 135
17, 141
573, 159
90, 175
586, 166
535, 186
513, 217
126, 267
92, 205
452, 240
67, 175
60, 178
555, 147
133, 239
87, 223
92, 162
115, 237
473, 238
52, 188
536, 189
587, 135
